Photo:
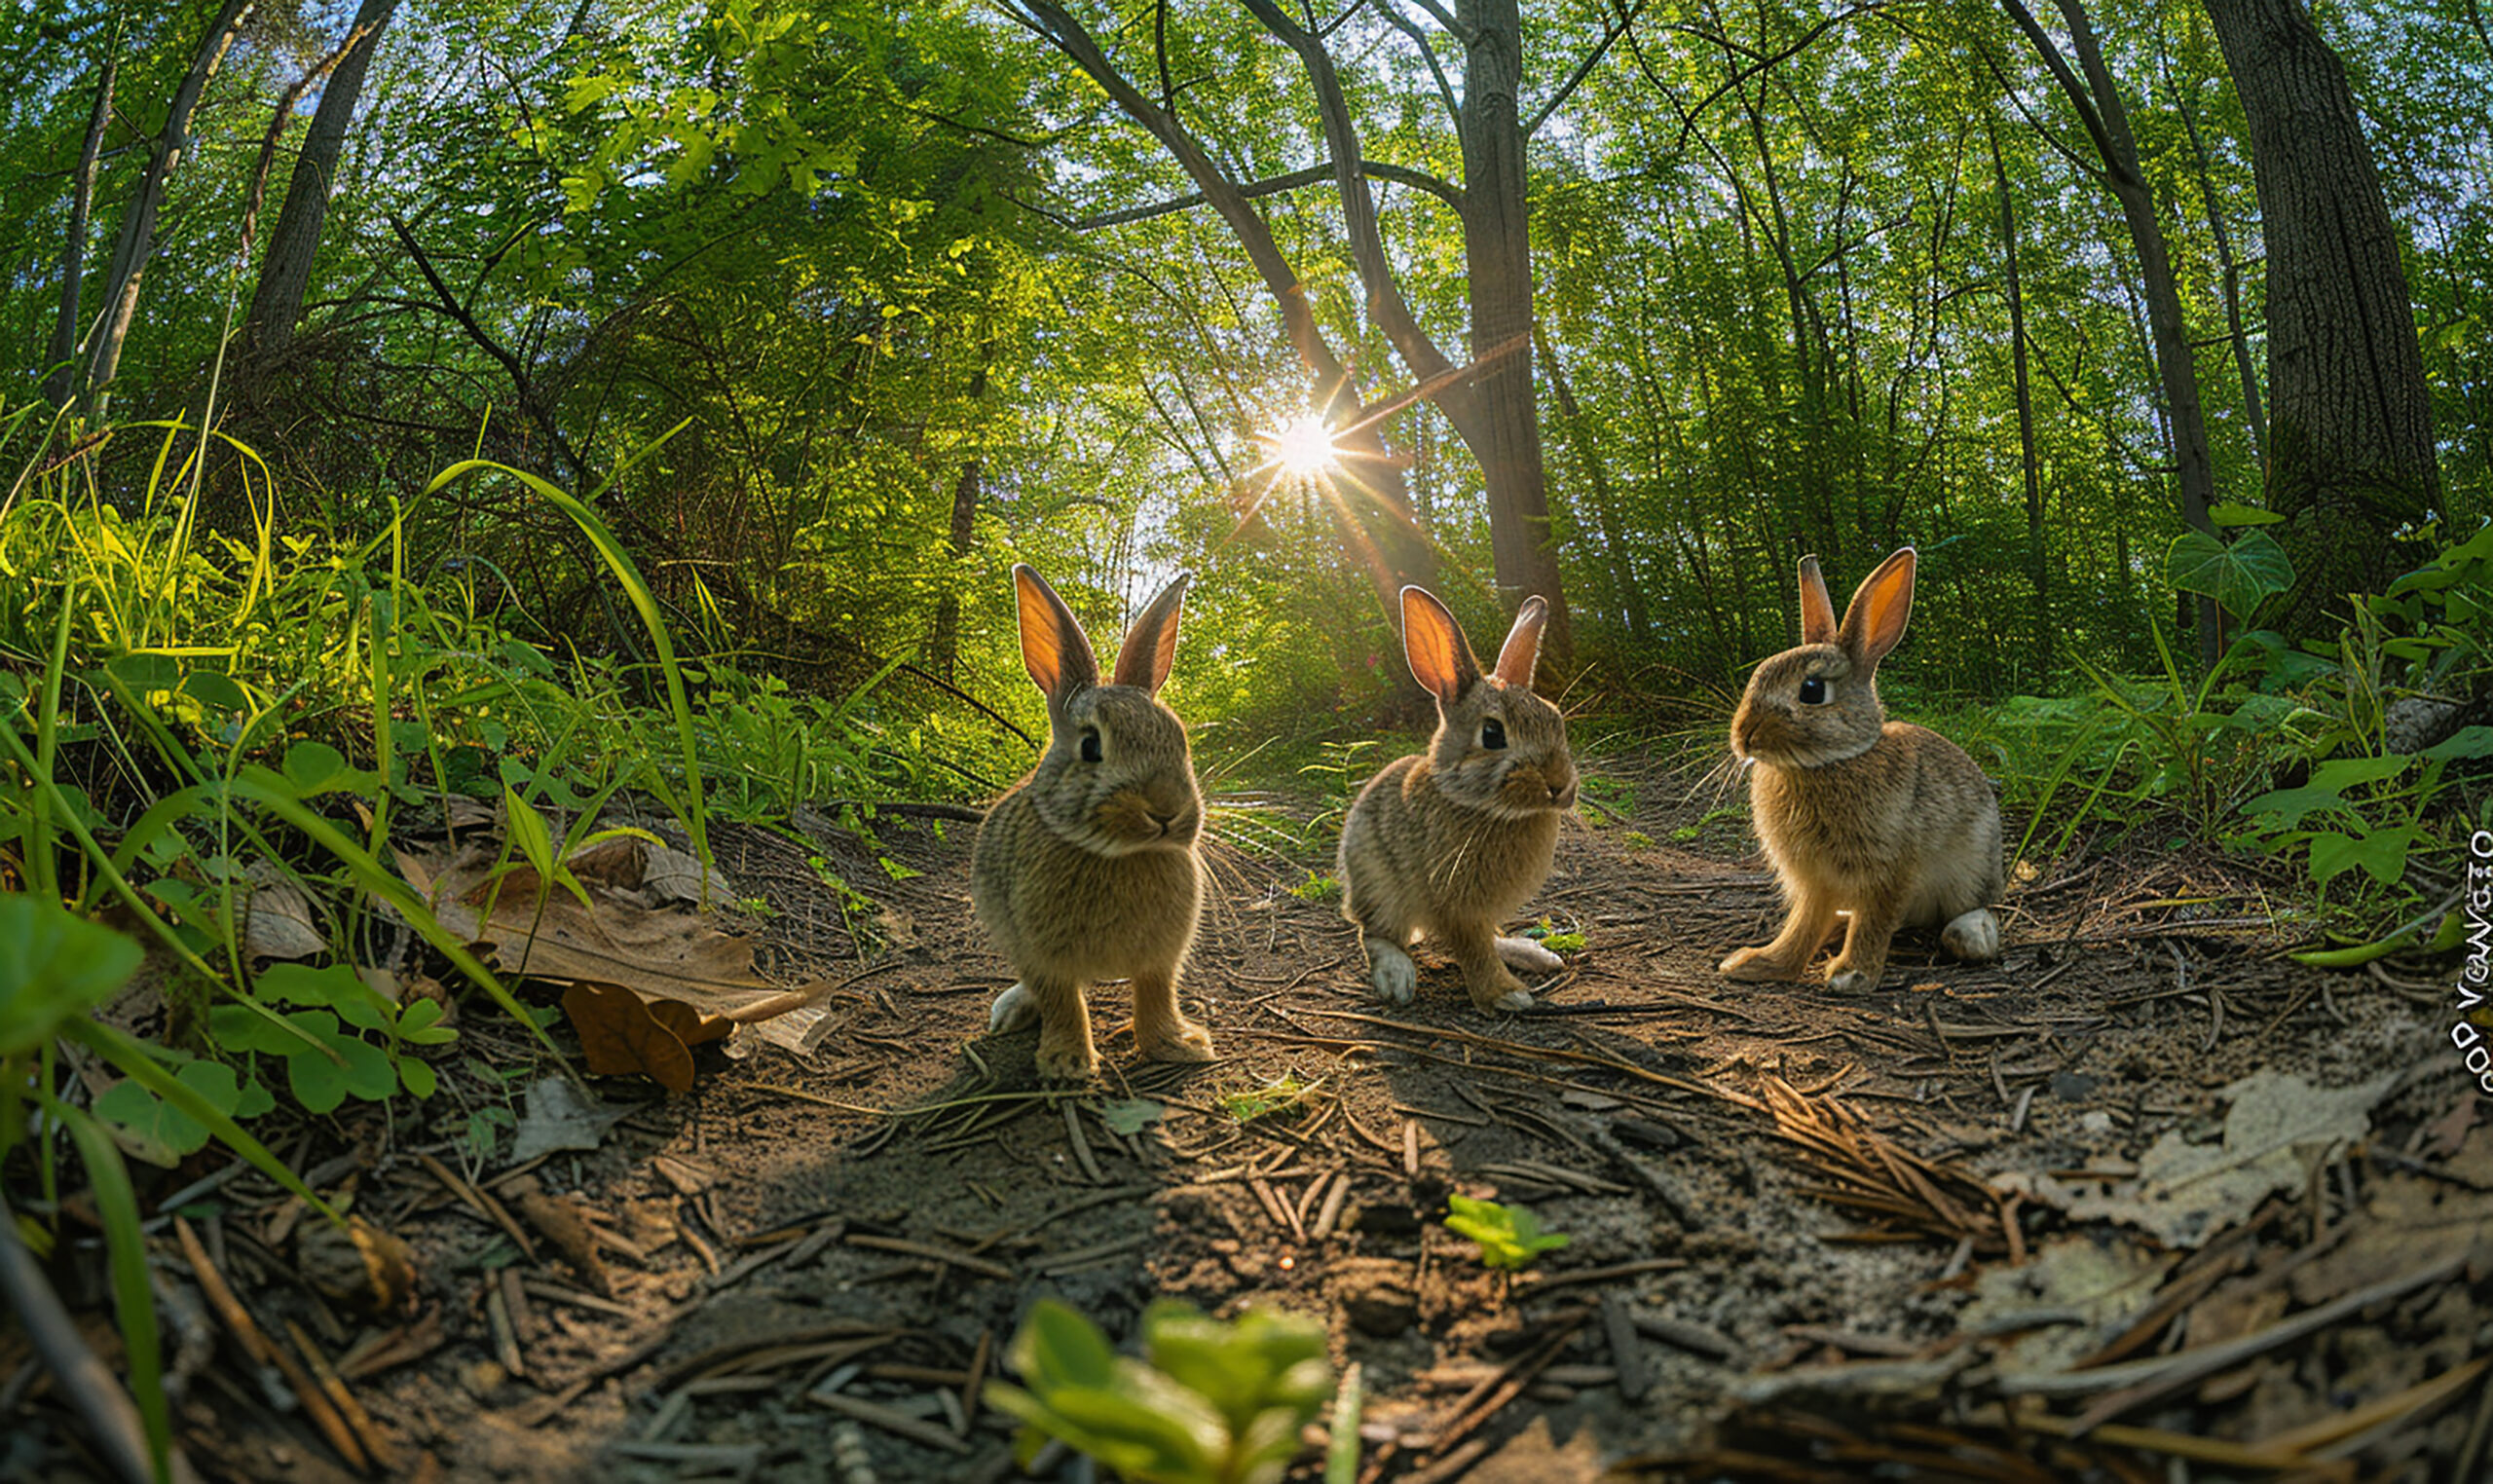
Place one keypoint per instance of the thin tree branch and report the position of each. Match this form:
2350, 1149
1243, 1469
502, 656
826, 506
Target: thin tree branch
1584, 68
1688, 116
1393, 16
1313, 175
2070, 83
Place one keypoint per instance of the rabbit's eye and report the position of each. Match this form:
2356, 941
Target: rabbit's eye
1493, 734
1090, 746
1813, 691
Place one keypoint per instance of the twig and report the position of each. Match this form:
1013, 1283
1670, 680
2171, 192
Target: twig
90, 1388
255, 1343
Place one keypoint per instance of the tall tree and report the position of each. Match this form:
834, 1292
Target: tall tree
277, 304
2097, 99
1494, 413
136, 242
61, 379
2349, 419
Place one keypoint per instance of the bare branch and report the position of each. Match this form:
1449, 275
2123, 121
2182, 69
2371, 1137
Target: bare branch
1393, 16
1313, 175
2062, 73
1688, 116
1584, 68
1384, 301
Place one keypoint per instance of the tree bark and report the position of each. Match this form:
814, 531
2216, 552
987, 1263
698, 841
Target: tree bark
945, 643
137, 239
2350, 418
2098, 101
1497, 254
60, 376
2038, 562
294, 244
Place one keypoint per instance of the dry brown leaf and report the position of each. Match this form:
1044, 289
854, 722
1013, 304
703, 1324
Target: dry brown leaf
277, 917
622, 1034
672, 876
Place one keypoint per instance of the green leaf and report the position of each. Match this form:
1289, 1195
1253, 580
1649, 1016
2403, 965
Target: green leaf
2467, 742
156, 1131
215, 688
2241, 515
2381, 853
1128, 1116
2237, 575
145, 673
417, 1076
133, 1299
1509, 1237
53, 966
313, 766
1057, 1346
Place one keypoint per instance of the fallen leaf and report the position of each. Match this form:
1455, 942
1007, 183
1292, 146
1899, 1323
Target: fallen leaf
622, 1034
669, 874
277, 917
558, 1116
660, 953
2185, 1192
1127, 1116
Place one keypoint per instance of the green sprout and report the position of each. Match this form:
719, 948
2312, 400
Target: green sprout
1509, 1236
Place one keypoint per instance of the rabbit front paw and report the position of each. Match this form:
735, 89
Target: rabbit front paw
1070, 1060
1531, 957
1395, 977
1757, 965
1851, 980
1512, 1001
1012, 1010
1185, 1041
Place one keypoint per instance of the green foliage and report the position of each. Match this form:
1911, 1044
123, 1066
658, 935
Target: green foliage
1509, 1237
1280, 1096
1318, 888
1210, 1402
2237, 573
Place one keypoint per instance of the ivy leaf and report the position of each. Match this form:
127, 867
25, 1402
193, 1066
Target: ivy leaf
2237, 574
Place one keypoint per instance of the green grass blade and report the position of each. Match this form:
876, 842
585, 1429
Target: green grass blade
133, 1302
1342, 1455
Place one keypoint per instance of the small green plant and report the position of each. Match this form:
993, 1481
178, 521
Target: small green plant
1210, 1402
1275, 1096
1556, 941
1318, 888
1638, 839
1509, 1236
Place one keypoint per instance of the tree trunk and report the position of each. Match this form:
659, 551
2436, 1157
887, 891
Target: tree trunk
2039, 563
2097, 100
945, 643
1497, 253
277, 304
2231, 268
137, 239
60, 376
2350, 419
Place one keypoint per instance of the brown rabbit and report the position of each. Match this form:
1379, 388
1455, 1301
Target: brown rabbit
1085, 870
1886, 820
1450, 842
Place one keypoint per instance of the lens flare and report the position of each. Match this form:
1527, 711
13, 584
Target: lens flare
1305, 448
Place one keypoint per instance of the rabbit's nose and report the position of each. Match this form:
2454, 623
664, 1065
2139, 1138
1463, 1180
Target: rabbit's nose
1563, 796
1164, 821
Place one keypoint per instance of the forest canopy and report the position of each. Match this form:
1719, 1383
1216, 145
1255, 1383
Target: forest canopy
837, 309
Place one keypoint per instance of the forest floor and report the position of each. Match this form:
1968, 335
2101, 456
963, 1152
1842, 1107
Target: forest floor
1812, 1237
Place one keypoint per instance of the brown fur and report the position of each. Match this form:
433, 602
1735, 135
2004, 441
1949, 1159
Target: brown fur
1887, 821
1088, 870
1449, 844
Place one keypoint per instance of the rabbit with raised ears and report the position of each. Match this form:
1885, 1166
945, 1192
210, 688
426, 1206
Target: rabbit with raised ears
1885, 819
1449, 842
1085, 870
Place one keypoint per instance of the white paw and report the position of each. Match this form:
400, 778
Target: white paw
1525, 954
1851, 981
1013, 1008
1514, 1000
1395, 977
1973, 936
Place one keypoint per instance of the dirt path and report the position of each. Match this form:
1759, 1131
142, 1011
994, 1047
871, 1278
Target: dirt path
797, 1235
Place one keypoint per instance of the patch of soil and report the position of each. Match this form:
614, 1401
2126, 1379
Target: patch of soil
1775, 1194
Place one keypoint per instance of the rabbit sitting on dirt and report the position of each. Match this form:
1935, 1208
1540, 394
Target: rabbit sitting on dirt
1085, 870
1886, 820
1450, 842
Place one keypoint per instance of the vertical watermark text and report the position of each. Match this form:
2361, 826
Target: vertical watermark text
2476, 970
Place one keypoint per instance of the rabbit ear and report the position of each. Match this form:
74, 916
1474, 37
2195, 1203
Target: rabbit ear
1054, 649
1151, 645
1440, 658
1521, 653
1875, 620
1817, 610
